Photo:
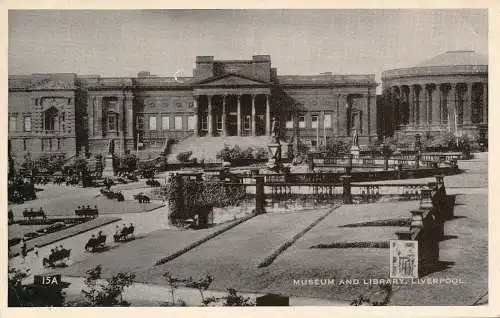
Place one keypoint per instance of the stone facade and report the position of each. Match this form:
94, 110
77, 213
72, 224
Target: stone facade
69, 113
448, 93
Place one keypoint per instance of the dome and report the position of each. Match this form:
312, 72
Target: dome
452, 58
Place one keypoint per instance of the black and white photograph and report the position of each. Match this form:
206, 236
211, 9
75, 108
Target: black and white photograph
247, 157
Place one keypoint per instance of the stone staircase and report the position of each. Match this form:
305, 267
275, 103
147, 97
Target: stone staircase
206, 148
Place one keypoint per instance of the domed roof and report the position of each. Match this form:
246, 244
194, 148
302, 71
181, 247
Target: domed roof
451, 58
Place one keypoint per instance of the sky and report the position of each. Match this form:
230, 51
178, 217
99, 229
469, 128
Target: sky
166, 42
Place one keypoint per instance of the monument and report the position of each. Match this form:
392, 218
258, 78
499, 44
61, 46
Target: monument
355, 144
109, 170
274, 148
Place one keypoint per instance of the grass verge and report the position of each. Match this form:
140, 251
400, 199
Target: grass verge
269, 259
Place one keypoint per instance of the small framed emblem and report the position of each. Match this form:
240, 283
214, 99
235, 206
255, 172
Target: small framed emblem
403, 259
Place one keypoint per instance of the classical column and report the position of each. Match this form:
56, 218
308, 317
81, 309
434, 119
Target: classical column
196, 116
98, 103
411, 105
452, 107
210, 119
268, 116
253, 114
436, 116
129, 116
238, 114
484, 117
90, 116
422, 104
224, 116
467, 107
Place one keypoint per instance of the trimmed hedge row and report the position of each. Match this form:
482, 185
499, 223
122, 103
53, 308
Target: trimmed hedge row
201, 241
269, 259
387, 222
353, 245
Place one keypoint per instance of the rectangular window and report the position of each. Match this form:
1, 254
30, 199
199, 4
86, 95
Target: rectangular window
302, 121
165, 123
247, 122
140, 122
178, 122
25, 144
191, 123
289, 121
27, 123
58, 144
327, 121
314, 121
178, 105
218, 122
112, 121
13, 123
50, 144
204, 121
152, 122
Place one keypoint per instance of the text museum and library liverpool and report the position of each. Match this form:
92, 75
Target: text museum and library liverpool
71, 113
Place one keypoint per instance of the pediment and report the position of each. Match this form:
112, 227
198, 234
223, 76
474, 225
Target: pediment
231, 80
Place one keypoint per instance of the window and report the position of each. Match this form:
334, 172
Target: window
58, 144
218, 121
191, 123
178, 105
27, 123
302, 121
50, 118
50, 144
140, 122
314, 121
178, 122
190, 105
112, 121
25, 144
204, 121
247, 123
327, 121
289, 121
165, 123
13, 123
152, 122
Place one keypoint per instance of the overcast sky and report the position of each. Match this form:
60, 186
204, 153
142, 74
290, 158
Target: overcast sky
122, 43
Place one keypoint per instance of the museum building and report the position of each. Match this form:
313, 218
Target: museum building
447, 93
51, 113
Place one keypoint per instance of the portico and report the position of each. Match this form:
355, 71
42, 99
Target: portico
232, 111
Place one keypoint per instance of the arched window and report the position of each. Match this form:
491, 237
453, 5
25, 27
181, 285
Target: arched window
50, 118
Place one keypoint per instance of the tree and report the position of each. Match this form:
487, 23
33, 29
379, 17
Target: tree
108, 293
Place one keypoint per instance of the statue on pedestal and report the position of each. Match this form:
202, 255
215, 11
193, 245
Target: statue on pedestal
355, 138
111, 147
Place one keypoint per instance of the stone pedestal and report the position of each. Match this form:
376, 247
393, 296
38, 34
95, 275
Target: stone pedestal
355, 151
108, 167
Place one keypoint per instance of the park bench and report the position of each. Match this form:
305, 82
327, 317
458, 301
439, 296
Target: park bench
141, 198
153, 183
34, 214
112, 195
95, 243
57, 259
87, 212
125, 234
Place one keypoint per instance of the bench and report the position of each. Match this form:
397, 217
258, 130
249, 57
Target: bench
34, 214
87, 212
95, 243
57, 259
126, 233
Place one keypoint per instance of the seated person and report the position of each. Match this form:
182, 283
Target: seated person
52, 255
91, 242
124, 229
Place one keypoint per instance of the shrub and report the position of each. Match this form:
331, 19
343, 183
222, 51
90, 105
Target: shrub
184, 157
106, 294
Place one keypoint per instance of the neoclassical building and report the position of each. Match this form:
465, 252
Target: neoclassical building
73, 114
447, 93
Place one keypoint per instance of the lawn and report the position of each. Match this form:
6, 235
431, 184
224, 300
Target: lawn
233, 256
